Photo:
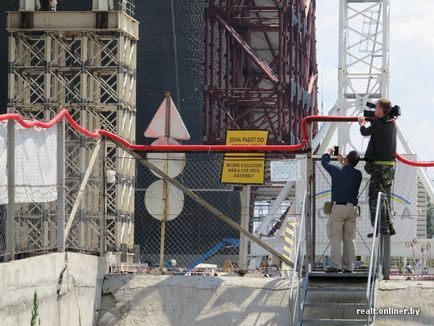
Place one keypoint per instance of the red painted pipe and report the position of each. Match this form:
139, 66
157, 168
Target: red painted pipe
301, 147
423, 164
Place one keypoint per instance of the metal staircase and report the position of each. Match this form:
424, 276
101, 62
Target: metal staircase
334, 299
339, 298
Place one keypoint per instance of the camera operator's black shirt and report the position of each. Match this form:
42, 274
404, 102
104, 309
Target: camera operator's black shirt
382, 145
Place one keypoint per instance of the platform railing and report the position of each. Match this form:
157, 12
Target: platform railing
376, 260
298, 264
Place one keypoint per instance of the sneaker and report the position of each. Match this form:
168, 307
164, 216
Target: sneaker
331, 269
391, 230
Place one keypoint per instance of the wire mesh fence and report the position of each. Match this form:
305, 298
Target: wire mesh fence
63, 203
406, 204
196, 236
41, 183
73, 211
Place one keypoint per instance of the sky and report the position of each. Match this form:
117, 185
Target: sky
411, 66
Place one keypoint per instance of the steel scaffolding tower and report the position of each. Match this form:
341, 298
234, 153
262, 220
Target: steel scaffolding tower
363, 64
260, 67
86, 62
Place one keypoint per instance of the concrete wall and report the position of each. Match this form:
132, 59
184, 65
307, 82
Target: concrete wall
68, 287
406, 294
194, 300
182, 300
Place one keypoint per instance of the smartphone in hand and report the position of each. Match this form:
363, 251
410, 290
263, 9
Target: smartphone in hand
336, 151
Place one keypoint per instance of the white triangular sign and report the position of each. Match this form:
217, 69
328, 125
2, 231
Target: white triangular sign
177, 130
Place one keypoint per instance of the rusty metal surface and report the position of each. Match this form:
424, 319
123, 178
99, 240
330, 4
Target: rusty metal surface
260, 68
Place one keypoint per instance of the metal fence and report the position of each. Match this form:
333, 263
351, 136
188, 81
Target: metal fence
127, 6
408, 217
184, 235
197, 235
52, 198
172, 229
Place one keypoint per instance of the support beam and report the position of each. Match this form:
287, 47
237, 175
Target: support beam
82, 188
61, 186
264, 227
245, 219
265, 68
10, 211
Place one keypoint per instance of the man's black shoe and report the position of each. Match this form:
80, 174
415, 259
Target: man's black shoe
391, 230
331, 269
383, 232
347, 271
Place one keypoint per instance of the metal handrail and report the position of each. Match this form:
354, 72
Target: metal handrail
376, 255
298, 267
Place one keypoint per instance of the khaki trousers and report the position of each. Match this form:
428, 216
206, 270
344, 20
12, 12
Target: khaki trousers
341, 227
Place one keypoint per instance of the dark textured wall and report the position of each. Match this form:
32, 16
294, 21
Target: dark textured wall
196, 229
156, 62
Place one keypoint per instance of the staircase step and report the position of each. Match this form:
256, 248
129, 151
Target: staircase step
337, 305
336, 321
356, 276
336, 289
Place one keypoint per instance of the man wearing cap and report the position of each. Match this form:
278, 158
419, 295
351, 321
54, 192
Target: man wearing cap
380, 161
341, 225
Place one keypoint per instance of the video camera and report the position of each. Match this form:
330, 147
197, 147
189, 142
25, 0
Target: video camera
370, 112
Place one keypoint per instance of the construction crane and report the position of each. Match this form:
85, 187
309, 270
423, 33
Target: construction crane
363, 73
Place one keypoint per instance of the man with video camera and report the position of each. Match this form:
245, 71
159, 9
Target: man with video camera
380, 159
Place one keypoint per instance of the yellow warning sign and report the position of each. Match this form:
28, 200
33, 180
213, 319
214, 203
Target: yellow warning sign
244, 168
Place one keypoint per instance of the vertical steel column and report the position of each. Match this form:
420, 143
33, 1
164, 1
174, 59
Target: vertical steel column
10, 142
386, 46
245, 219
10, 212
120, 180
309, 262
103, 198
12, 62
61, 186
48, 237
83, 165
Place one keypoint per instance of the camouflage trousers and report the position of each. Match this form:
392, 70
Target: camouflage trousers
381, 180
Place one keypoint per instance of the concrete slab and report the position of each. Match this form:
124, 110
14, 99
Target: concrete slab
68, 287
397, 294
194, 300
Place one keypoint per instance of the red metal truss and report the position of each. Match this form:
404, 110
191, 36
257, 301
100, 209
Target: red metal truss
260, 67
